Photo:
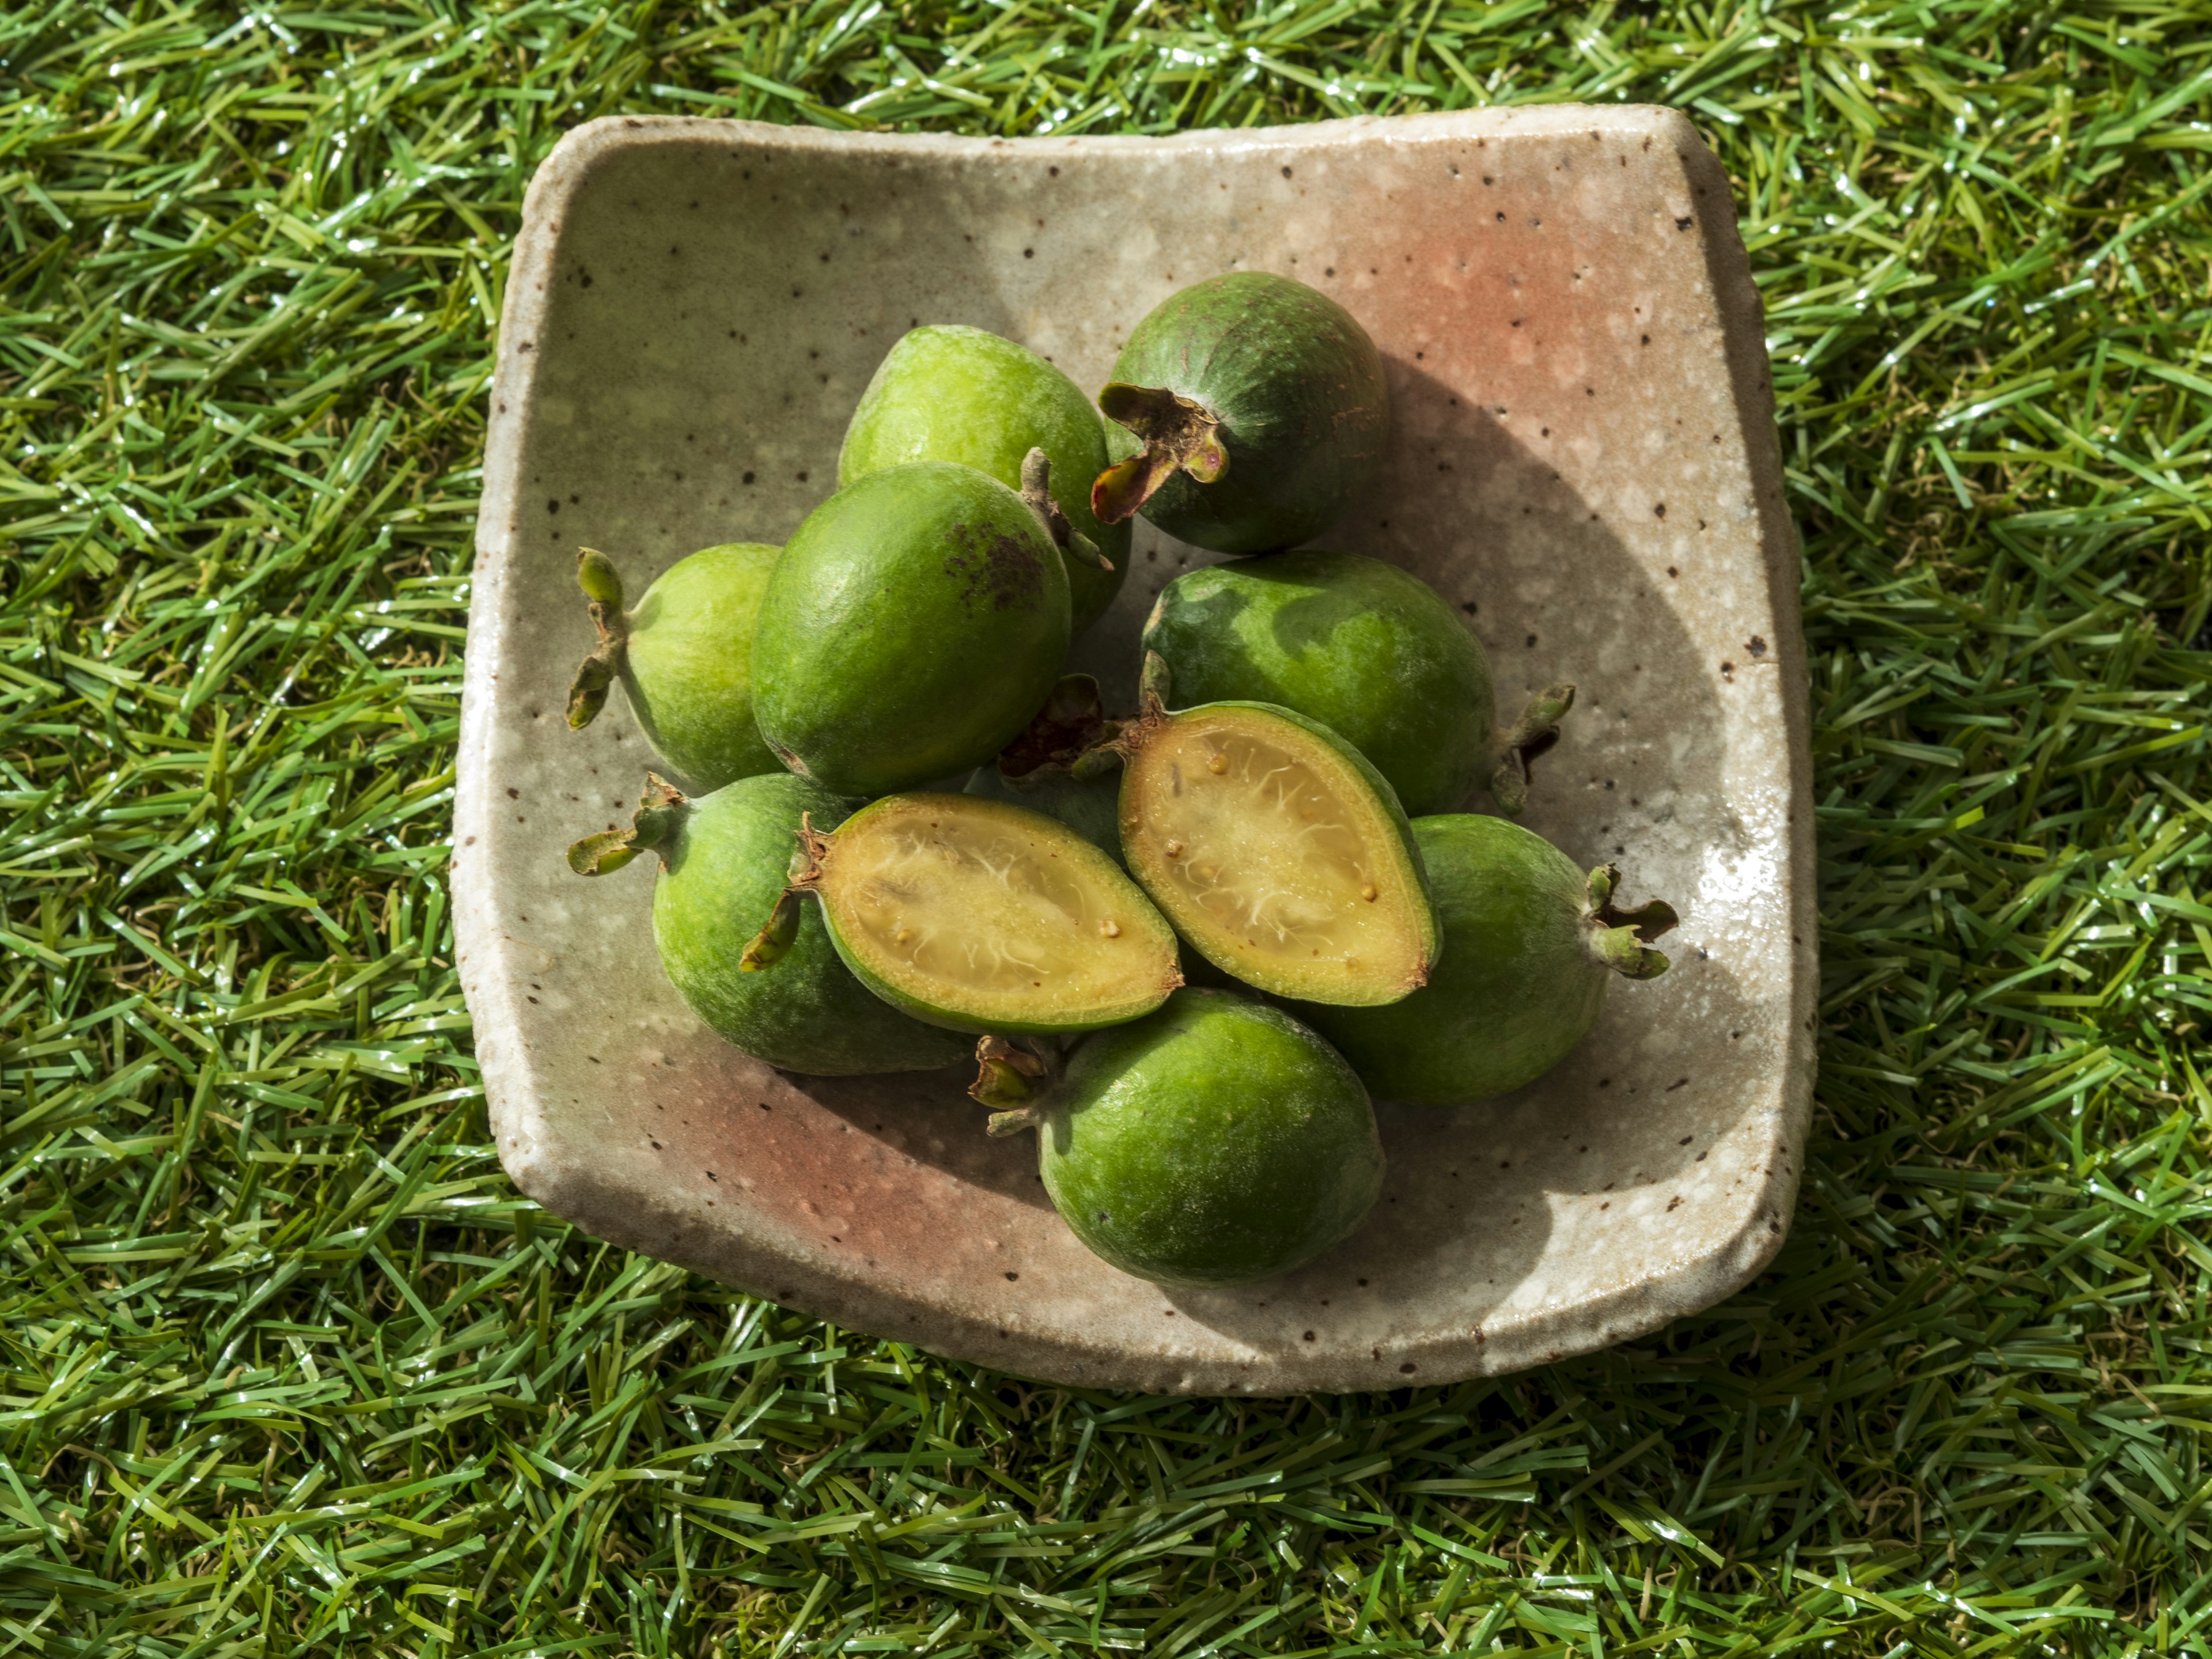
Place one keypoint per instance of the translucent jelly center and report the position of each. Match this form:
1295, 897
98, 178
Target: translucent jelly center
976, 900
1267, 845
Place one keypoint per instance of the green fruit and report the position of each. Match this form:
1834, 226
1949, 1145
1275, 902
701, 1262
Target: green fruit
1215, 1142
1367, 649
1530, 946
684, 656
1263, 409
1276, 850
914, 624
1056, 767
723, 863
949, 394
981, 916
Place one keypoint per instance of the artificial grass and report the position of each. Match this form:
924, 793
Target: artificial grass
289, 1367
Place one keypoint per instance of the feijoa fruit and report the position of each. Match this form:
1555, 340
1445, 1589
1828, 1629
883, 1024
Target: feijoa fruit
979, 916
723, 861
916, 620
1261, 405
1212, 1143
1530, 946
684, 658
1058, 767
951, 393
1279, 853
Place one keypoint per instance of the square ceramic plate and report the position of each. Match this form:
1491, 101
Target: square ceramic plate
1585, 463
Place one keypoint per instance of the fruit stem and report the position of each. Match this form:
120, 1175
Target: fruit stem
1008, 1077
660, 813
1178, 436
774, 941
1534, 732
1071, 723
1622, 939
1037, 490
805, 874
602, 583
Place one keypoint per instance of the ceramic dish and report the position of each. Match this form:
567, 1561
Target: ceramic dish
1585, 463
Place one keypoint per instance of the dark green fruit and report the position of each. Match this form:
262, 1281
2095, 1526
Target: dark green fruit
1056, 766
1530, 945
684, 656
949, 394
1262, 410
981, 916
1276, 850
1215, 1142
1367, 649
916, 622
723, 863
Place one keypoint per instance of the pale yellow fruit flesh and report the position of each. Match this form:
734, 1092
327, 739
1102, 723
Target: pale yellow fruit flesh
995, 913
1269, 853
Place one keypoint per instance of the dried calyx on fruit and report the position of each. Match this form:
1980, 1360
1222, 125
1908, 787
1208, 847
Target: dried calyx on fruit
979, 916
1262, 410
946, 393
1214, 1142
684, 658
1058, 767
1531, 943
722, 868
914, 624
1274, 847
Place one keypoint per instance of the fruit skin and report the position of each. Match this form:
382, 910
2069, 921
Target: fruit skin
1530, 945
684, 658
1297, 388
1212, 1143
1369, 650
914, 624
1088, 806
948, 392
1057, 768
1139, 910
724, 864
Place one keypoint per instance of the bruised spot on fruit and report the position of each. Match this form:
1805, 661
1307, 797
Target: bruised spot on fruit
997, 569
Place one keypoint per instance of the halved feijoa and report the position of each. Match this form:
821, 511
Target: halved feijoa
724, 859
1533, 944
685, 657
951, 394
1214, 1142
1276, 850
983, 916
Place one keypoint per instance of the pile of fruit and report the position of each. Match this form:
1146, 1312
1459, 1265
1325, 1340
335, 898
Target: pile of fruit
1290, 835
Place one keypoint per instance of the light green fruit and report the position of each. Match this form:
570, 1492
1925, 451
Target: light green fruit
1056, 766
1530, 946
684, 658
1367, 649
914, 624
981, 916
951, 394
1275, 849
724, 859
1213, 1143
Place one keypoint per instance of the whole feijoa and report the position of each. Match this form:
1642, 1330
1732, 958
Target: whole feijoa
1212, 1143
1056, 766
724, 860
914, 624
1369, 650
951, 394
1261, 407
684, 658
979, 915
1530, 946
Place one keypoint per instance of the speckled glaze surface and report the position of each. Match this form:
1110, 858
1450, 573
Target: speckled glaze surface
1585, 463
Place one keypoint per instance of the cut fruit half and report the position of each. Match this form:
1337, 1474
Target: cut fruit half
1276, 850
981, 916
